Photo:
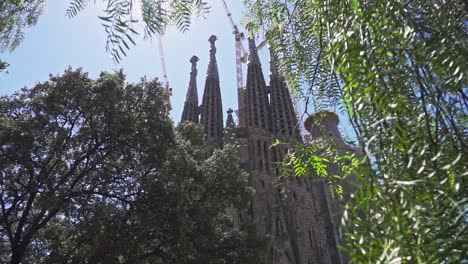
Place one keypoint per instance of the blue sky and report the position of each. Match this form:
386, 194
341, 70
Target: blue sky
58, 42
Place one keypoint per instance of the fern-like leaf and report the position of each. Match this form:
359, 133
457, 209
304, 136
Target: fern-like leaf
75, 7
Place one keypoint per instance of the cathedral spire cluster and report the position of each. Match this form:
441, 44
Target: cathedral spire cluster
302, 226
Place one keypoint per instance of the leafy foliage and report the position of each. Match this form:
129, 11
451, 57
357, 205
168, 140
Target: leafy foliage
92, 172
118, 25
15, 16
327, 160
397, 69
75, 7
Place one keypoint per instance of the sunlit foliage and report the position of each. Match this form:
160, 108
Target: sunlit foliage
398, 69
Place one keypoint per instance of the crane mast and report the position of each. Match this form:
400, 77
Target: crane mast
241, 54
241, 57
163, 65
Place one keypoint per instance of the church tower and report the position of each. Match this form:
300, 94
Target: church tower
267, 210
190, 112
298, 216
285, 126
259, 141
211, 108
258, 114
284, 120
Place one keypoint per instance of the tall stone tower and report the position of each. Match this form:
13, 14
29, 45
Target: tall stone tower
190, 112
298, 216
211, 108
259, 140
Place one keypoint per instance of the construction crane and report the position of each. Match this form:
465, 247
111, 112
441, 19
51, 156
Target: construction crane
241, 54
241, 57
163, 65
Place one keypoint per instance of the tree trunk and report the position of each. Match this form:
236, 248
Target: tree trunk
17, 254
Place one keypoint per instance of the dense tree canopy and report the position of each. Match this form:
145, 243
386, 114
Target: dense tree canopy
93, 172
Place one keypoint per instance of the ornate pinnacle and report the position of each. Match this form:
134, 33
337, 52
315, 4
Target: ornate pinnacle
212, 40
212, 65
194, 61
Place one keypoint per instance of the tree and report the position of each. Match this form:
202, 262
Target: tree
92, 171
396, 69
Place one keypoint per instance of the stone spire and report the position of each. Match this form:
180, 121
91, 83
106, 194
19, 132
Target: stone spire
211, 108
212, 64
283, 116
258, 109
190, 112
230, 129
259, 141
230, 120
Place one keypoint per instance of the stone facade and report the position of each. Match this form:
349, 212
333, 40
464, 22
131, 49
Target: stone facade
298, 216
